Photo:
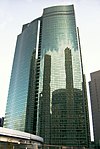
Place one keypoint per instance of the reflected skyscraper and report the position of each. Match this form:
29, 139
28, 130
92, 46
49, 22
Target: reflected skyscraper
47, 92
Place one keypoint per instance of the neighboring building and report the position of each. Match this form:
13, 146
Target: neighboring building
1, 121
47, 93
94, 86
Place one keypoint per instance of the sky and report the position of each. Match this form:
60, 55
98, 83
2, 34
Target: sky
15, 13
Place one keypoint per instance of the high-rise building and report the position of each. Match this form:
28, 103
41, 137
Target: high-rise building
94, 86
47, 93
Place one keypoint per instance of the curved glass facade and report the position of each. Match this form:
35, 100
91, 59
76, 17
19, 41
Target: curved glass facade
47, 94
58, 33
18, 90
62, 117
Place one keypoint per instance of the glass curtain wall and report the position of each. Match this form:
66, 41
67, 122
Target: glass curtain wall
63, 111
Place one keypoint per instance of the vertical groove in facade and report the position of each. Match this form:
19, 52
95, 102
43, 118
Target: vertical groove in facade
31, 96
37, 43
36, 106
48, 74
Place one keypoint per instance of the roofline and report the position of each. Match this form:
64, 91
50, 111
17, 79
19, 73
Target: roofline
19, 134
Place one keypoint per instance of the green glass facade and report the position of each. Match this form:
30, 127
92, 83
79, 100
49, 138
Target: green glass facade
15, 115
47, 90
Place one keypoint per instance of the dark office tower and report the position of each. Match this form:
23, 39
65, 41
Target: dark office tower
47, 94
94, 86
44, 101
30, 112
